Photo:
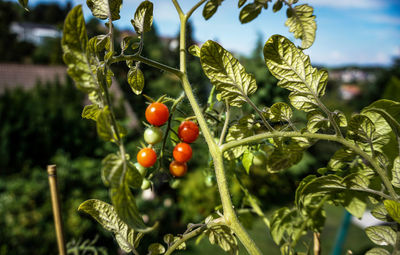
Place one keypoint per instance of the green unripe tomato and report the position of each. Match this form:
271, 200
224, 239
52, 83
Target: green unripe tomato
142, 170
145, 184
260, 158
153, 135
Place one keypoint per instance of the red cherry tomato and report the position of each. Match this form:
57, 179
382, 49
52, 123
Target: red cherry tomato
182, 152
157, 114
177, 169
188, 131
147, 157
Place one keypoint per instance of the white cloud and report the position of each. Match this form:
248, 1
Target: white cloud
385, 19
358, 4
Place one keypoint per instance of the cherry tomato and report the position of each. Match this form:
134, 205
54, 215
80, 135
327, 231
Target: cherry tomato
142, 170
188, 131
260, 158
182, 152
177, 169
157, 114
145, 184
147, 157
153, 135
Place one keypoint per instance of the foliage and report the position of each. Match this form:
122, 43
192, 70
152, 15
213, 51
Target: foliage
356, 177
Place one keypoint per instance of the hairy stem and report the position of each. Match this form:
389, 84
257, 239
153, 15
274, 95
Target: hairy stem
256, 139
225, 128
230, 217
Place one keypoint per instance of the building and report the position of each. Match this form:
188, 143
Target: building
34, 33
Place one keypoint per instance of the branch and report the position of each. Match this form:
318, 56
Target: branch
190, 12
225, 128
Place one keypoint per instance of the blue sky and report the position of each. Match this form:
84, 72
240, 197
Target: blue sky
363, 32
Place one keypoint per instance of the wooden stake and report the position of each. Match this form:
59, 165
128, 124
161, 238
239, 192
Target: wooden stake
52, 172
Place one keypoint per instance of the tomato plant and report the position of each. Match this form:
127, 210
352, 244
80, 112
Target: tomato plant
157, 114
146, 157
178, 169
360, 175
188, 131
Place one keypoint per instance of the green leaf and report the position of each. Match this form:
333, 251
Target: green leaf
396, 172
277, 6
104, 125
223, 236
136, 80
247, 160
125, 206
105, 214
294, 71
226, 74
91, 112
281, 112
194, 50
74, 43
143, 17
389, 110
102, 9
393, 208
112, 171
302, 24
241, 3
341, 159
381, 235
133, 177
286, 221
210, 8
244, 128
156, 249
284, 157
381, 213
377, 251
249, 12
24, 3
98, 43
316, 122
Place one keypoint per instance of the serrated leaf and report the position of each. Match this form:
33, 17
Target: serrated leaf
105, 214
130, 42
24, 3
302, 24
285, 221
396, 172
74, 44
249, 12
381, 213
143, 17
241, 3
102, 9
104, 125
377, 251
389, 110
340, 118
156, 249
226, 73
194, 50
381, 235
281, 112
136, 80
244, 128
91, 112
223, 237
393, 208
316, 122
247, 160
294, 71
133, 177
125, 206
98, 43
341, 158
210, 8
283, 157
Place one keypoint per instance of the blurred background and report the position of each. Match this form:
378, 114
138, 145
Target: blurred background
41, 124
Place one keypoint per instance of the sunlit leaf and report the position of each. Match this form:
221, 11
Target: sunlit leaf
281, 112
381, 213
156, 249
91, 112
381, 235
223, 237
226, 74
210, 8
241, 3
294, 71
377, 251
105, 214
249, 12
194, 50
302, 24
393, 208
103, 9
143, 17
389, 110
277, 6
316, 122
136, 80
396, 172
247, 160
98, 43
24, 3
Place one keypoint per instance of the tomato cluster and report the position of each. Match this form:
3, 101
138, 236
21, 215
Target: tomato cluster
188, 132
157, 114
